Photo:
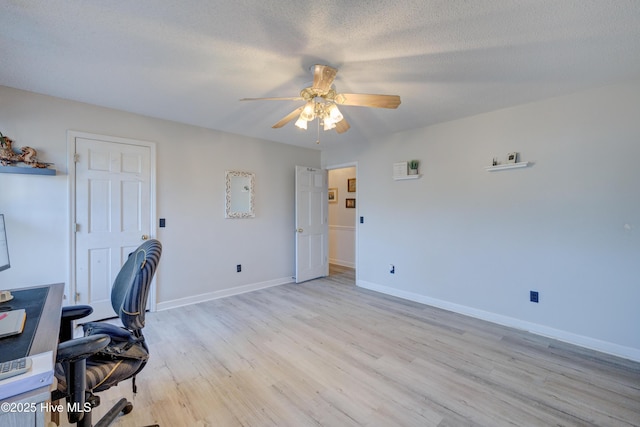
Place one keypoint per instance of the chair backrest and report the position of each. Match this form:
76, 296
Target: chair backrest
131, 287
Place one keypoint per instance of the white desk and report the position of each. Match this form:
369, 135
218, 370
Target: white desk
24, 397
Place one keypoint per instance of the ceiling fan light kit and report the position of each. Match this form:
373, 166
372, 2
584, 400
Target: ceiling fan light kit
322, 102
327, 113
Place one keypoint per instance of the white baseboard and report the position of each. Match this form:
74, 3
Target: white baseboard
342, 263
560, 335
180, 302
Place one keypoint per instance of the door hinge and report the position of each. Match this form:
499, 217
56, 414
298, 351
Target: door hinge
76, 158
77, 299
76, 227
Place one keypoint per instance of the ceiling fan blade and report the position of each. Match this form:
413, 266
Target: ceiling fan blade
291, 98
342, 126
292, 115
323, 76
368, 100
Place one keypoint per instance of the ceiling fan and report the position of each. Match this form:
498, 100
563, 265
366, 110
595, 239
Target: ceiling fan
322, 102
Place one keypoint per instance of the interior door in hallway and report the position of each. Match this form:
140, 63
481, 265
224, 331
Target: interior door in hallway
312, 229
113, 214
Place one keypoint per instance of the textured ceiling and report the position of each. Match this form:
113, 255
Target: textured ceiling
192, 60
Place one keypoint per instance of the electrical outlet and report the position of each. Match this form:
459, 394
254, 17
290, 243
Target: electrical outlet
239, 268
533, 296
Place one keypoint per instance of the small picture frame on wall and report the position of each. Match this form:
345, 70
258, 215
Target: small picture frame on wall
333, 195
350, 203
351, 185
512, 158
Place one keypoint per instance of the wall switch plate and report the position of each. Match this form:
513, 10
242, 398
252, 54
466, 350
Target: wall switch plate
162, 222
239, 268
533, 296
361, 220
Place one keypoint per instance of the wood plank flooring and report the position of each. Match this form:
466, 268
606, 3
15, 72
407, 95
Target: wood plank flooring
327, 353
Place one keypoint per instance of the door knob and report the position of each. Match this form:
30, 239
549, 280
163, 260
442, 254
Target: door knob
145, 237
299, 230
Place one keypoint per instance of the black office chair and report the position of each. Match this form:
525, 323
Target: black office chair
107, 354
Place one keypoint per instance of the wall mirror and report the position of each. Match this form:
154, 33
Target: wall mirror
239, 198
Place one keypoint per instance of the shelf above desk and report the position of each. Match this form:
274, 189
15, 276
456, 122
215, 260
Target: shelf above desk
26, 170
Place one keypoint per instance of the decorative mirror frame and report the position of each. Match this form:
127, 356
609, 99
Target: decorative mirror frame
229, 213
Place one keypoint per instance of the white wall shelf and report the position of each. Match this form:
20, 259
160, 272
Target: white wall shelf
507, 166
403, 177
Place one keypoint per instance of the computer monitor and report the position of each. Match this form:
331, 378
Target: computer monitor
4, 248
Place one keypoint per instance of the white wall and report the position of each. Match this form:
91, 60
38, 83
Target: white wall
477, 242
201, 247
342, 220
460, 237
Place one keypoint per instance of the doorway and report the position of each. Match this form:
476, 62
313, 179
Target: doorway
343, 208
112, 211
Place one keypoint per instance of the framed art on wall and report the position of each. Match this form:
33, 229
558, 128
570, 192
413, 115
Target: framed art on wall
350, 203
351, 185
512, 158
333, 195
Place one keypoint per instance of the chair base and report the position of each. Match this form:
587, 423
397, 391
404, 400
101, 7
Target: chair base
122, 406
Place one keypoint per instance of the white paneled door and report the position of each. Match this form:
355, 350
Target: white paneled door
113, 215
312, 229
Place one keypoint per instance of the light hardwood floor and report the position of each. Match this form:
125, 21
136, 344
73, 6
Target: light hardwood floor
327, 353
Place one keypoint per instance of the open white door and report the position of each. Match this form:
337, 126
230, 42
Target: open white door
312, 229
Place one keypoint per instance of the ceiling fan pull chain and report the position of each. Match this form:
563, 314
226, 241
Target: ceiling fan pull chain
318, 140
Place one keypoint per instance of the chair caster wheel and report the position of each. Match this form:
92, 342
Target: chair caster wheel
128, 408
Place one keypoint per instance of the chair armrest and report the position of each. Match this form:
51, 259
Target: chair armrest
81, 348
69, 314
73, 312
